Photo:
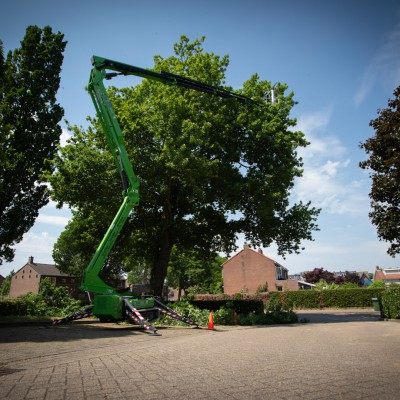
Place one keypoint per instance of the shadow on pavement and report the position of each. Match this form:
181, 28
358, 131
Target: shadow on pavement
335, 316
69, 332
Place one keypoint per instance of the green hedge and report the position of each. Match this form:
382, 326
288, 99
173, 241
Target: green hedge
336, 298
13, 307
294, 299
390, 303
240, 306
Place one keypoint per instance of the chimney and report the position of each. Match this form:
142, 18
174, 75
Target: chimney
30, 260
260, 251
246, 246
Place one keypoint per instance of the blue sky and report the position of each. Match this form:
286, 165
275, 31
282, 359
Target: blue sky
341, 59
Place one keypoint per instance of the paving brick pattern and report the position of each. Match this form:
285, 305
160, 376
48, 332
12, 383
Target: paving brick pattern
354, 359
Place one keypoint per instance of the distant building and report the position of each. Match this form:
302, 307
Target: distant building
28, 279
388, 275
365, 278
249, 270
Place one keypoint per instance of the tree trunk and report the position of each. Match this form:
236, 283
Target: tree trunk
161, 261
167, 240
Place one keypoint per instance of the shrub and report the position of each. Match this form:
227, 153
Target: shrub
390, 303
225, 316
12, 307
378, 284
51, 301
187, 310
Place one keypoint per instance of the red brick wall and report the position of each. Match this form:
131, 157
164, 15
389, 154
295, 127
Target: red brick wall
290, 284
247, 270
24, 281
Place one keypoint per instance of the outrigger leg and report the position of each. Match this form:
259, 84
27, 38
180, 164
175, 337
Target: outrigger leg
87, 312
173, 314
134, 314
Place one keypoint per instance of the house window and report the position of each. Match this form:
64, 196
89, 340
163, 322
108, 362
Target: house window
22, 277
63, 280
36, 276
279, 288
281, 272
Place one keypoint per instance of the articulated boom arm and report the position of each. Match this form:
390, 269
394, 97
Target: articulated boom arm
112, 130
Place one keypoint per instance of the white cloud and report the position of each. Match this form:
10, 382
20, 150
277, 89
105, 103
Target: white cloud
39, 245
316, 121
33, 243
384, 68
53, 220
325, 180
331, 167
65, 135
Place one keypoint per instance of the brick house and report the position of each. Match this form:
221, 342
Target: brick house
250, 269
28, 278
388, 275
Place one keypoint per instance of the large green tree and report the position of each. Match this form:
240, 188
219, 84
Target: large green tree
210, 168
29, 130
383, 150
190, 269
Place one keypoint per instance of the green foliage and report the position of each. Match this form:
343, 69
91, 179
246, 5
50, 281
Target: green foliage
262, 288
53, 301
5, 287
293, 299
268, 318
323, 284
378, 284
349, 285
195, 272
240, 306
354, 297
383, 163
12, 307
224, 315
197, 157
29, 130
188, 310
390, 302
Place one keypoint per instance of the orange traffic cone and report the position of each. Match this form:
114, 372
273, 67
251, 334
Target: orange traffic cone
211, 322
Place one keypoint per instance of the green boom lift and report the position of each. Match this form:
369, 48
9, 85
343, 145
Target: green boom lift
110, 304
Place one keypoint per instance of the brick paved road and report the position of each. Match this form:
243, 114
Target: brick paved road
352, 359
